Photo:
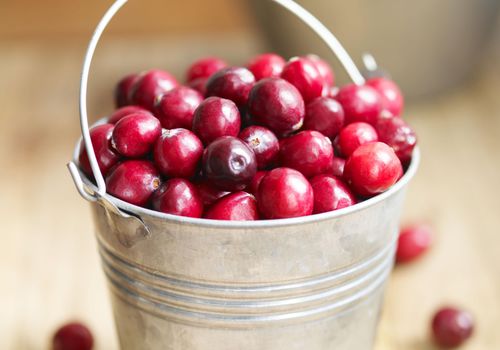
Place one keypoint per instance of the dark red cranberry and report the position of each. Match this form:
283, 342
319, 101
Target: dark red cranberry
232, 83
177, 153
122, 90
107, 157
124, 111
253, 188
175, 109
278, 105
238, 206
355, 135
229, 163
413, 242
303, 74
149, 86
216, 117
390, 95
208, 193
325, 115
199, 85
266, 65
284, 193
338, 166
451, 327
372, 168
204, 68
330, 193
263, 142
399, 135
308, 151
178, 197
361, 103
135, 134
73, 336
133, 181
324, 70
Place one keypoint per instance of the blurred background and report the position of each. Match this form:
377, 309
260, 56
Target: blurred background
444, 54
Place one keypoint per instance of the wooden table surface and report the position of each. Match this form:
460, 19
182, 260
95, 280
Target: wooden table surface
49, 267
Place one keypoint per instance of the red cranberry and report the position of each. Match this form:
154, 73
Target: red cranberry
199, 85
149, 86
276, 104
229, 163
390, 95
361, 103
208, 193
135, 134
324, 70
355, 135
303, 74
266, 66
175, 109
73, 336
124, 111
325, 115
253, 188
338, 166
216, 117
178, 197
232, 83
133, 181
399, 135
122, 90
413, 241
451, 327
204, 68
284, 193
263, 142
372, 168
177, 153
238, 206
308, 151
330, 193
107, 157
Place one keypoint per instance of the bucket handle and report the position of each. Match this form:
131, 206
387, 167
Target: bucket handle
99, 195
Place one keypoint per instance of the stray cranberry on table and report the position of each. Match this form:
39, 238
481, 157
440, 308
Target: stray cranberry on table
451, 327
413, 241
73, 336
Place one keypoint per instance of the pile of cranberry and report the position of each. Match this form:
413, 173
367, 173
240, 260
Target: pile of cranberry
271, 140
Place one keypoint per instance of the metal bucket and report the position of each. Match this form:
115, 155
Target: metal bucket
312, 282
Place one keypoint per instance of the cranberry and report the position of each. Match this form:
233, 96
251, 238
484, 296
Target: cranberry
124, 111
372, 168
390, 95
362, 103
253, 188
149, 86
303, 74
238, 206
178, 197
266, 66
133, 181
325, 115
135, 134
232, 83
324, 70
204, 68
177, 153
355, 135
106, 156
451, 327
399, 135
413, 241
229, 163
276, 104
175, 109
199, 85
73, 336
338, 166
216, 117
122, 90
330, 193
263, 142
284, 193
208, 193
308, 151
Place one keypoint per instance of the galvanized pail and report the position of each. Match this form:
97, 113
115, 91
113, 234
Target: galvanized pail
179, 283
